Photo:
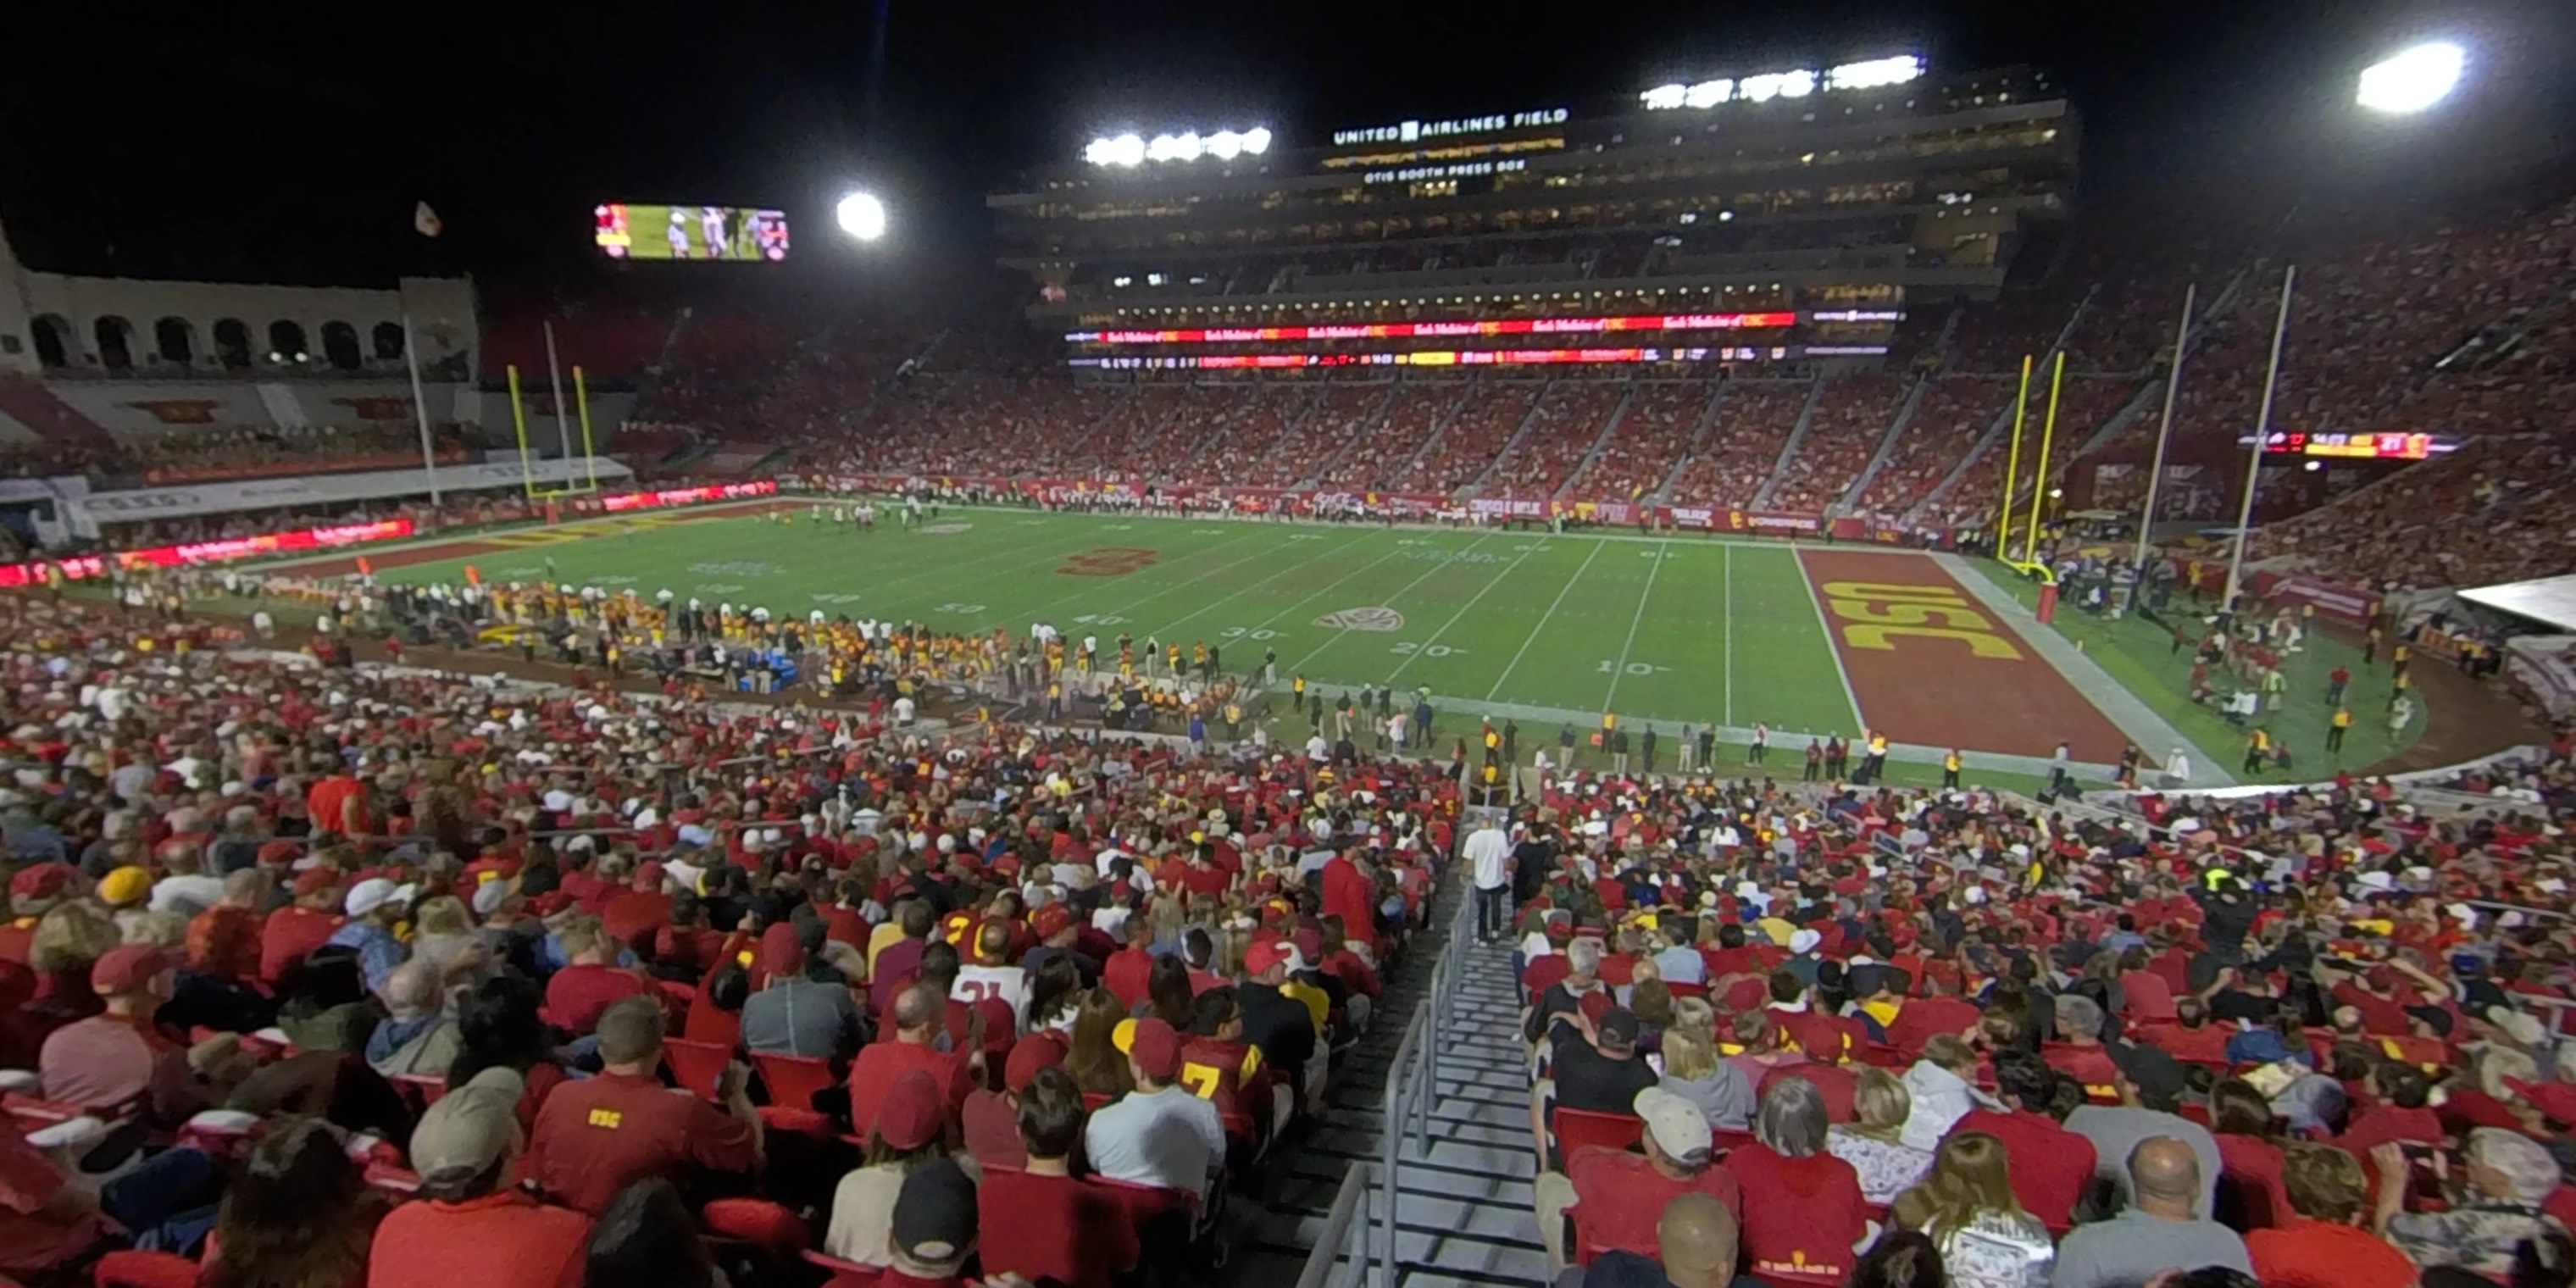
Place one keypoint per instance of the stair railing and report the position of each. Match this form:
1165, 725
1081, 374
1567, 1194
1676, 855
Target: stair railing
1411, 1080
1340, 1226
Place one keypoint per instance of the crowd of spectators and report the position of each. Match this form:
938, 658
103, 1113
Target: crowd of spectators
1954, 415
1471, 434
1650, 441
1852, 417
1343, 415
332, 975
1743, 444
2304, 1038
1568, 421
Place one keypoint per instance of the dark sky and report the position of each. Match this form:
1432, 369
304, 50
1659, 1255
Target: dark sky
290, 145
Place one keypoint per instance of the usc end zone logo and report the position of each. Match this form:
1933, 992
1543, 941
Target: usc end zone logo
1108, 561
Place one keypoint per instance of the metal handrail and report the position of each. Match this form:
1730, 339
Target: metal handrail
1410, 1086
1339, 1224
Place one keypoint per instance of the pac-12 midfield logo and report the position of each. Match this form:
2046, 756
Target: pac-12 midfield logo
1363, 619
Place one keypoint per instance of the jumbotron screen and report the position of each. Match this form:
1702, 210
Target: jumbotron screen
634, 231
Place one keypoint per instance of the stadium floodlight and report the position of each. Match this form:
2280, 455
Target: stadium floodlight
2412, 79
1125, 150
1129, 150
1875, 73
862, 216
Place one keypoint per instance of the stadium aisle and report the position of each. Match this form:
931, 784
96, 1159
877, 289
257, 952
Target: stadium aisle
1464, 1215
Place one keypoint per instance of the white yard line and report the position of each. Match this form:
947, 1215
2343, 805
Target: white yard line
1663, 553
1544, 618
1311, 597
1436, 566
1727, 579
1326, 552
1507, 571
1833, 649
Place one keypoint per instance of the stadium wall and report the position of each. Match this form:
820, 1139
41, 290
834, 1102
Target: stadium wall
441, 309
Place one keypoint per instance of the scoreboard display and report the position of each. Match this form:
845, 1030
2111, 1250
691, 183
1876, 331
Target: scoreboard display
634, 231
2362, 447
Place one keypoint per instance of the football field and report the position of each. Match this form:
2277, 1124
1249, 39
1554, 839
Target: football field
1549, 631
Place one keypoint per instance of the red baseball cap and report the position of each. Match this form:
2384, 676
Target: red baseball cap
1050, 919
43, 881
127, 968
1034, 1052
911, 1116
1154, 1047
2556, 1100
1266, 953
650, 874
313, 881
278, 852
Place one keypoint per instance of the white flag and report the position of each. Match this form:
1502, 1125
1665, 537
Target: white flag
425, 219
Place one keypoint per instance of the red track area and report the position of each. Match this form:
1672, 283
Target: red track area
1930, 665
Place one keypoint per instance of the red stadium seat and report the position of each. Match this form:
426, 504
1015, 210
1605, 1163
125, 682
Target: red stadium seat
1576, 1128
792, 1082
131, 1269
698, 1065
758, 1222
845, 1274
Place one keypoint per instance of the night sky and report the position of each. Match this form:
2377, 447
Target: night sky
290, 147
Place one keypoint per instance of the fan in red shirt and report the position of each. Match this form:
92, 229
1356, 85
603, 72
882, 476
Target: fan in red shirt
2082, 1055
992, 1119
592, 981
1041, 1223
1218, 1066
1130, 968
1802, 1206
470, 1224
46, 1221
300, 927
636, 914
920, 1015
2050, 1166
597, 1136
1924, 1017
2191, 1036
1612, 1198
2322, 1243
338, 804
2397, 1111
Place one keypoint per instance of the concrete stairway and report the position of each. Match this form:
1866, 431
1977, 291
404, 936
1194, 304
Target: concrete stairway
1463, 1211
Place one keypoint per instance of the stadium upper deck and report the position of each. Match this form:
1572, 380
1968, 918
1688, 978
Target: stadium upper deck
1856, 192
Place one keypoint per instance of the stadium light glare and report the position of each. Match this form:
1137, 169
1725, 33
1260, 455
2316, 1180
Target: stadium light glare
2412, 79
1128, 151
862, 216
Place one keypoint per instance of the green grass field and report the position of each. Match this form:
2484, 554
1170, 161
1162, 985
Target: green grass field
2140, 656
1546, 630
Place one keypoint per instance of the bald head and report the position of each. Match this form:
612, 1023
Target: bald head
919, 1008
2165, 1174
1697, 1238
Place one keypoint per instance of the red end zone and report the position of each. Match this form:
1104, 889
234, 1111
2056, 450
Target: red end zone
1930, 665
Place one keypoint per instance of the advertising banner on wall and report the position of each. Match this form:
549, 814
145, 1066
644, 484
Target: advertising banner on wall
139, 505
199, 552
